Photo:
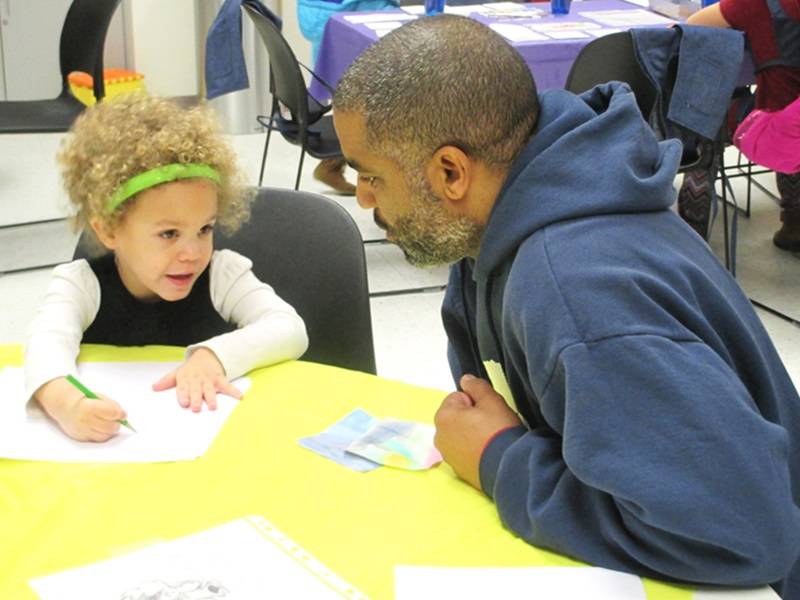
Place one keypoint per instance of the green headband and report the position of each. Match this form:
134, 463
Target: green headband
157, 176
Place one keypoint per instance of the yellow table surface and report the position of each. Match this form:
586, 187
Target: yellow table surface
57, 516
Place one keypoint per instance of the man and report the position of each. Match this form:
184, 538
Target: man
619, 399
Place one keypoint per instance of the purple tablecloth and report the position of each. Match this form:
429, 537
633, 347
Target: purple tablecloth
549, 60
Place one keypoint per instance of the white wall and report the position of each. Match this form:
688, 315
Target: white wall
163, 46
291, 31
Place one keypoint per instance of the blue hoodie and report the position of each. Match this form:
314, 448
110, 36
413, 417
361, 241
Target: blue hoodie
662, 431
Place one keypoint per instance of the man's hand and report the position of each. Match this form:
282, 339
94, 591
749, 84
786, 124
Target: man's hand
466, 421
81, 418
198, 379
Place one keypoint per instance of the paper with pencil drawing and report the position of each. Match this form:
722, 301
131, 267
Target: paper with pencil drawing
164, 430
245, 559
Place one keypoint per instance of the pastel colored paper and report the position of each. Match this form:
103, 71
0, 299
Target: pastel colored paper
333, 442
400, 444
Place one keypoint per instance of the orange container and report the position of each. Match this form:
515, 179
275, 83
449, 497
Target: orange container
117, 81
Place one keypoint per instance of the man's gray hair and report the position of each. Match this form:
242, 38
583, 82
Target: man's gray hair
444, 80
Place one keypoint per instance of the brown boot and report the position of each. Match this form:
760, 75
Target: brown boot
330, 171
788, 236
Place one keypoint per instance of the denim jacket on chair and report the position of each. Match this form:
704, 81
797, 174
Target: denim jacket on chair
225, 68
694, 71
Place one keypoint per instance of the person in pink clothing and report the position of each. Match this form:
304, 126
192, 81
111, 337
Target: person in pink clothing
771, 136
772, 139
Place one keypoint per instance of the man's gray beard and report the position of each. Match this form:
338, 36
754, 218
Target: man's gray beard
429, 236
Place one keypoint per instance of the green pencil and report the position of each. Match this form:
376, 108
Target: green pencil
90, 394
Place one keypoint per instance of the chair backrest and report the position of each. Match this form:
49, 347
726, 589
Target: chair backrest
288, 85
611, 58
83, 37
310, 251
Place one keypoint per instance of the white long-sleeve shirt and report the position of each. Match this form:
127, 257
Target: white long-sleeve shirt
268, 329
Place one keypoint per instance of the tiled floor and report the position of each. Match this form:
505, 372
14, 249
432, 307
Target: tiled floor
410, 343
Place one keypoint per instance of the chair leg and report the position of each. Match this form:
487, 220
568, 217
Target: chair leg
749, 187
729, 236
734, 227
264, 157
300, 168
725, 214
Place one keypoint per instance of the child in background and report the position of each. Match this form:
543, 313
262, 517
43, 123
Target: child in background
152, 180
772, 28
772, 139
312, 16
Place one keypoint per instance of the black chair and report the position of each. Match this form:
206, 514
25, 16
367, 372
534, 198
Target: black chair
307, 124
613, 58
309, 250
83, 37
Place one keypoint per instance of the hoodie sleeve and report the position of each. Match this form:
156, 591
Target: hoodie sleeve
458, 318
658, 462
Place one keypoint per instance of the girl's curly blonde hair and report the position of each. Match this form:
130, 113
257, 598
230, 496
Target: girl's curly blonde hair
120, 138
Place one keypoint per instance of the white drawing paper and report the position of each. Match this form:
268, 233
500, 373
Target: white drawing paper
515, 583
243, 559
164, 430
762, 593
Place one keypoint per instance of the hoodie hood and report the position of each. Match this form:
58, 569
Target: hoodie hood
591, 154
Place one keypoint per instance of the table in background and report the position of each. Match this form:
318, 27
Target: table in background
549, 60
58, 516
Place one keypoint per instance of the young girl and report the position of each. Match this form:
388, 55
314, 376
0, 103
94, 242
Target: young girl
151, 181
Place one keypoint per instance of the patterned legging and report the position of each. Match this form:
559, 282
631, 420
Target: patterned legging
694, 199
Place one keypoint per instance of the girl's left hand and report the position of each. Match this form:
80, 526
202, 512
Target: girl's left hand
198, 379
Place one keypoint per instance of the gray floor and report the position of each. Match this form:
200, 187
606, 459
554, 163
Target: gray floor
410, 342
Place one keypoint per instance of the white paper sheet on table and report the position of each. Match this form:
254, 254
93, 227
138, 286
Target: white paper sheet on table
164, 430
466, 10
516, 33
241, 560
563, 26
626, 18
602, 32
567, 35
515, 583
502, 5
384, 26
762, 593
378, 17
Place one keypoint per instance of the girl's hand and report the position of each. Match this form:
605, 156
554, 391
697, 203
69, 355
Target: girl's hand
81, 418
198, 379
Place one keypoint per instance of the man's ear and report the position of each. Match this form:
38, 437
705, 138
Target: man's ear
450, 173
103, 233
